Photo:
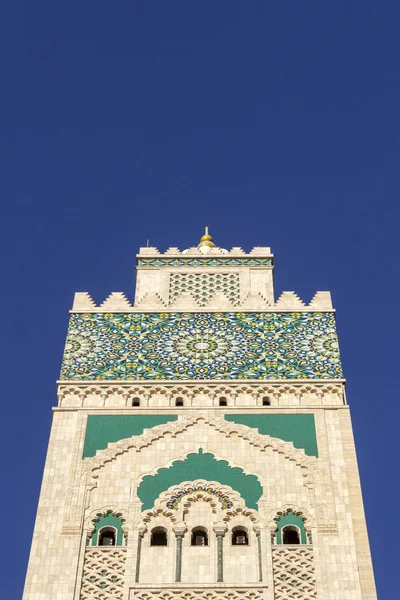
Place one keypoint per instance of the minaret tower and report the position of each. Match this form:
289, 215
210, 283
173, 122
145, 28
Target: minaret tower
202, 446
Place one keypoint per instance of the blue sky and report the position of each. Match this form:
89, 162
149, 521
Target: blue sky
275, 123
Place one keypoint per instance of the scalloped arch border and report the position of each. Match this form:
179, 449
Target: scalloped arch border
227, 428
304, 514
161, 507
244, 480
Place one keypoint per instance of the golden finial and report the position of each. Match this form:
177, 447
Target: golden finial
206, 240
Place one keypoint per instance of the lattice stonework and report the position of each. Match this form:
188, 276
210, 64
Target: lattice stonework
103, 573
202, 286
196, 594
294, 577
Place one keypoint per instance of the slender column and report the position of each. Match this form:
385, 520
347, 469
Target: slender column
258, 535
139, 550
220, 542
220, 533
267, 535
179, 531
178, 566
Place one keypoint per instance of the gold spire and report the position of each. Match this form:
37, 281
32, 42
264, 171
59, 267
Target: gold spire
206, 240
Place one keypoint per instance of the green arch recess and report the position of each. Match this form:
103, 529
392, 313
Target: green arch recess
290, 519
200, 466
109, 520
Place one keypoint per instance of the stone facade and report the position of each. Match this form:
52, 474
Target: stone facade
202, 446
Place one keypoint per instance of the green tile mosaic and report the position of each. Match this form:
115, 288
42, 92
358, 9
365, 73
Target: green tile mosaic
299, 429
101, 430
173, 346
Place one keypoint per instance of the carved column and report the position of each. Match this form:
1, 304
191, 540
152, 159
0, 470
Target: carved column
267, 536
142, 531
179, 531
219, 530
258, 536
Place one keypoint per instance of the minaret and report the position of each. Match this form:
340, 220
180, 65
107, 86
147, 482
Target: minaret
201, 446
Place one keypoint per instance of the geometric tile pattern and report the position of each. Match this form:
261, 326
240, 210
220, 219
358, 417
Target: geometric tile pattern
204, 262
103, 573
204, 594
294, 577
178, 346
202, 286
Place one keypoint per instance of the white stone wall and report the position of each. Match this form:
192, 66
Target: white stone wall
327, 488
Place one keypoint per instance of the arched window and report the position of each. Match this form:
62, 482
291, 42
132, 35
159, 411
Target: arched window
223, 401
158, 537
290, 535
290, 529
107, 536
240, 536
199, 537
179, 402
266, 401
136, 402
107, 530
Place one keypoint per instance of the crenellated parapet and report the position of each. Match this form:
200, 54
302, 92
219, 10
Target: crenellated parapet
204, 278
215, 302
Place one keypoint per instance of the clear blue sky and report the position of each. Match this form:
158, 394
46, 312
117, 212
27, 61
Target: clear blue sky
276, 123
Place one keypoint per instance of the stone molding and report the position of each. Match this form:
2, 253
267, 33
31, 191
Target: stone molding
150, 393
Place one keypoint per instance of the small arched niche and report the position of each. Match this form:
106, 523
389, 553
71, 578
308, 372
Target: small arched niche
107, 536
159, 537
240, 536
290, 535
199, 537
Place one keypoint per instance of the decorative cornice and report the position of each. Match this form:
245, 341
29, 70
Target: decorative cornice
173, 390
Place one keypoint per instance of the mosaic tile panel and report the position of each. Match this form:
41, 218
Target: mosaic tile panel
171, 346
202, 286
205, 262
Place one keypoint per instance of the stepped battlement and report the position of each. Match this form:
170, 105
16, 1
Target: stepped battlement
219, 302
